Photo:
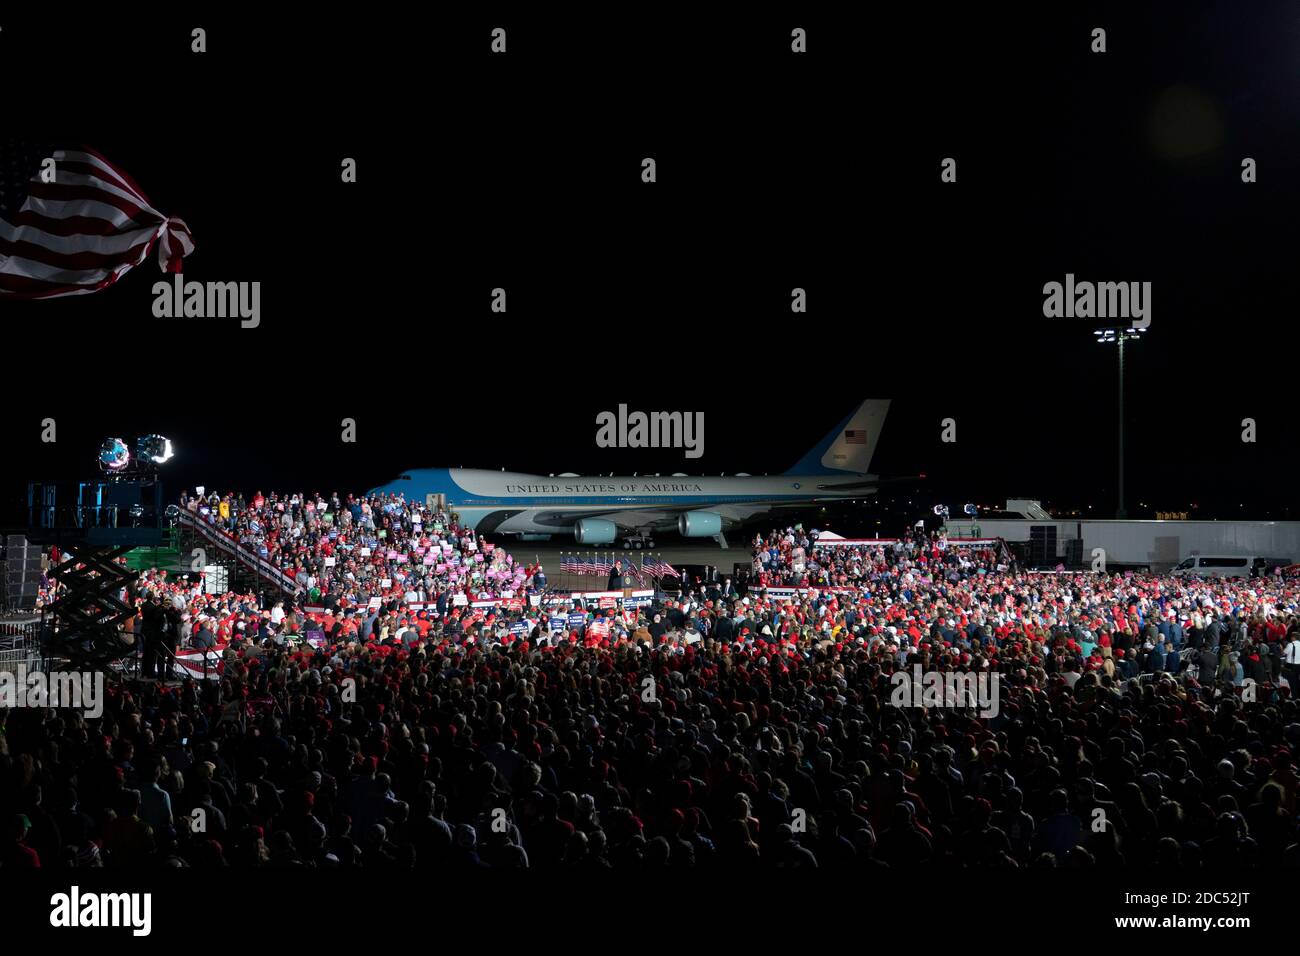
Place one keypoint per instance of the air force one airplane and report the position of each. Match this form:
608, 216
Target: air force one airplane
603, 510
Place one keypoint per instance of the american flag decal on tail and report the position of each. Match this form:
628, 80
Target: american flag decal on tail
81, 230
855, 436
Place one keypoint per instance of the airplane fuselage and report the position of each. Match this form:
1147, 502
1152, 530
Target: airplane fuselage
597, 509
514, 503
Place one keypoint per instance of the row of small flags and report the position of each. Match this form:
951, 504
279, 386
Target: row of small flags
652, 566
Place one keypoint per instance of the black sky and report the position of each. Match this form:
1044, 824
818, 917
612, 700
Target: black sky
775, 171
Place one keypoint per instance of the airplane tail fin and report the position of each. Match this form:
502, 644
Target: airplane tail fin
850, 446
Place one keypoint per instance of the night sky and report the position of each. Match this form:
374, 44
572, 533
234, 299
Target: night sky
774, 171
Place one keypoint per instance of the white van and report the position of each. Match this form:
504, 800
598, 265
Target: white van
1215, 567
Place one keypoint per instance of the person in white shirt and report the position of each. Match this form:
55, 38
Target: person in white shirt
1291, 661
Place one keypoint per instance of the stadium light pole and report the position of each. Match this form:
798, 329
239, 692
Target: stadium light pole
1119, 336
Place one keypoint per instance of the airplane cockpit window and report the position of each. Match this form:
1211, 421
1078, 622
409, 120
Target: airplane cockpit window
403, 477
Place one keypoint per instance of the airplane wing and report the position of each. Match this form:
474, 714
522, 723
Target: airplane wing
869, 482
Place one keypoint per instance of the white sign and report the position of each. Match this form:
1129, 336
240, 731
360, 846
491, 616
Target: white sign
216, 579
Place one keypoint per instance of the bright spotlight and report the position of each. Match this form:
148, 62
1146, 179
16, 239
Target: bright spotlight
154, 448
114, 455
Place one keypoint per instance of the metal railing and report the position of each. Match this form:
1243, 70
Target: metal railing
20, 644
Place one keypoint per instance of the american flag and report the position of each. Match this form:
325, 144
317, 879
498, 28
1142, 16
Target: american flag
637, 574
80, 232
190, 663
855, 436
599, 566
566, 564
585, 566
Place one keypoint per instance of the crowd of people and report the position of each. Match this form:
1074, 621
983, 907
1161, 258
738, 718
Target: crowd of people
1142, 719
348, 550
348, 547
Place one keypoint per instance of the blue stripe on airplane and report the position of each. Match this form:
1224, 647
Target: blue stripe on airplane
607, 500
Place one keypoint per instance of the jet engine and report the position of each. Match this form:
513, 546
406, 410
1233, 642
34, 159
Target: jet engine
699, 524
594, 531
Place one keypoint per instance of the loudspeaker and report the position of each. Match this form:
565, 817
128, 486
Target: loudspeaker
1042, 544
22, 573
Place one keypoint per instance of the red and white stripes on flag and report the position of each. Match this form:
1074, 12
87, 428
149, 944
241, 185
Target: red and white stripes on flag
190, 663
83, 231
